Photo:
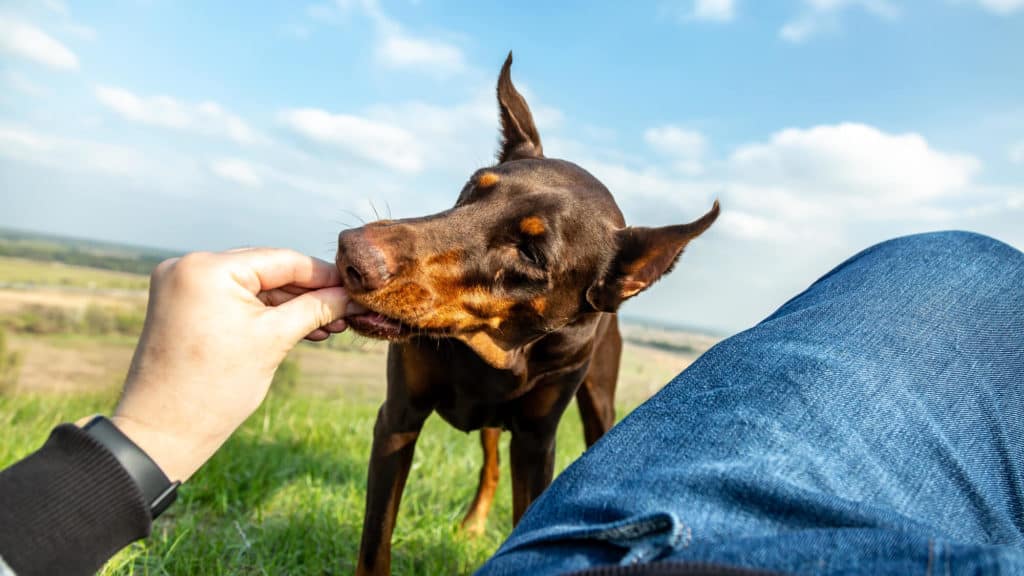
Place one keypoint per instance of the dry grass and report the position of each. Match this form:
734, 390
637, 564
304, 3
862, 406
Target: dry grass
12, 300
18, 272
71, 363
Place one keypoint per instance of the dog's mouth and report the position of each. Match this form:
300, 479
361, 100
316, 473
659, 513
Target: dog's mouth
372, 324
377, 325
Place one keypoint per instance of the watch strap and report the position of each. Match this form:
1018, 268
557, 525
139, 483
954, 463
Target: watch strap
158, 491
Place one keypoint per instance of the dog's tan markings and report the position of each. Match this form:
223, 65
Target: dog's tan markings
531, 226
487, 179
443, 273
490, 352
539, 305
632, 287
445, 259
404, 302
484, 306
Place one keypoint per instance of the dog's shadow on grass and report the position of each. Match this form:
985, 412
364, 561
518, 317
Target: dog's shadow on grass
248, 471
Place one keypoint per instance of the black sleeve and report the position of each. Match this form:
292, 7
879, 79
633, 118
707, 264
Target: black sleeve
68, 507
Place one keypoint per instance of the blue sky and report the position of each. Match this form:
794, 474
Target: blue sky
822, 125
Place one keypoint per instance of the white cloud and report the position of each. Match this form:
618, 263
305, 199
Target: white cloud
800, 183
1002, 7
24, 40
237, 171
24, 85
749, 226
58, 7
794, 205
397, 49
857, 162
68, 24
818, 16
166, 112
717, 10
387, 144
818, 182
1016, 153
686, 148
393, 47
27, 145
416, 137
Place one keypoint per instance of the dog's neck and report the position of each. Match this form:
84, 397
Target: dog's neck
569, 347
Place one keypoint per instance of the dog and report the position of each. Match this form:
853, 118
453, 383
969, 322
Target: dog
499, 311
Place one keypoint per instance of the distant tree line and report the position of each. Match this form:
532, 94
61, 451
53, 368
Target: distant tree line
79, 252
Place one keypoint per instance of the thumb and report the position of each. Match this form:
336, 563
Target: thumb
307, 312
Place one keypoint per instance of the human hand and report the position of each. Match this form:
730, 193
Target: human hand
217, 327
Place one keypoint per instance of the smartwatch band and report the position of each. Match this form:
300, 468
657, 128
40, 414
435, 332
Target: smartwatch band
158, 491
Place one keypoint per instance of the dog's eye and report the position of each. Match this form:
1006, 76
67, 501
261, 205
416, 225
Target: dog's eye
529, 253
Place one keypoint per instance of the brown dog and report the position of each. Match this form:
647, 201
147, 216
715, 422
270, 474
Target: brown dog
499, 311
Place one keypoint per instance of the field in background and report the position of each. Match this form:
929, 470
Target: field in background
285, 495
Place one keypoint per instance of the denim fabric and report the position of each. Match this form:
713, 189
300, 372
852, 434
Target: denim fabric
873, 425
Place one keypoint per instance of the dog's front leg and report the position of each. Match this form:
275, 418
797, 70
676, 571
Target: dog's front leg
394, 441
532, 450
533, 465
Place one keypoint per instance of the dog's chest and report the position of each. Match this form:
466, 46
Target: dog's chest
478, 399
471, 394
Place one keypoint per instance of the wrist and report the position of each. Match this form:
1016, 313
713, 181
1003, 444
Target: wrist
174, 455
158, 491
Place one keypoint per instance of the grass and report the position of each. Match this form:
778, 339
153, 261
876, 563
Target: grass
285, 495
10, 364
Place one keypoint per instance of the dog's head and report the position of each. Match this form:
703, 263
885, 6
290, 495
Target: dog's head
532, 245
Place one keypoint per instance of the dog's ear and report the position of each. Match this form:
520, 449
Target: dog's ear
644, 255
519, 137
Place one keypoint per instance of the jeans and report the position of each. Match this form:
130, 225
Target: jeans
874, 424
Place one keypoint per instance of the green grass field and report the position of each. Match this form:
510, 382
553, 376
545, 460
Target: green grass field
285, 495
22, 272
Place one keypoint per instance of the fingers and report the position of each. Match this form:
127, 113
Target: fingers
325, 332
309, 312
339, 325
318, 335
279, 296
261, 269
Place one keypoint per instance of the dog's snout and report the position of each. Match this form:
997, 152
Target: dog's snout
364, 266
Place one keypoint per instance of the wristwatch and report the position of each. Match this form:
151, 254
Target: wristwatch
158, 491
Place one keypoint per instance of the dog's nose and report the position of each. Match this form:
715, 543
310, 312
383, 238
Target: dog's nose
363, 266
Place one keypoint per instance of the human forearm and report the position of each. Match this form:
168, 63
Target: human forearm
68, 507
